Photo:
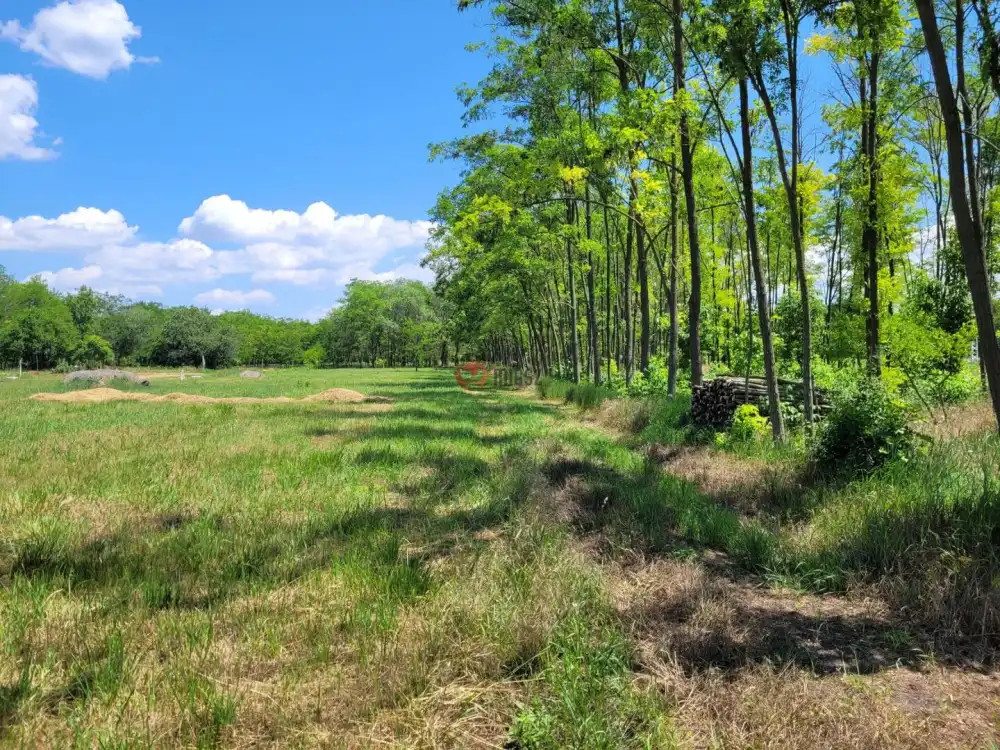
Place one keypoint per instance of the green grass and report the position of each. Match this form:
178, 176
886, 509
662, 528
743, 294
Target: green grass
411, 574
203, 575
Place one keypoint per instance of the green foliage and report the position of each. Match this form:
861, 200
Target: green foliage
314, 356
94, 351
394, 323
748, 425
866, 429
37, 326
192, 336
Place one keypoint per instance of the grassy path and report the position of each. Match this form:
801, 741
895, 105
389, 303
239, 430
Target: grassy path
456, 570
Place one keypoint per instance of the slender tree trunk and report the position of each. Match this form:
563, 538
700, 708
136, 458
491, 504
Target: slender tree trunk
592, 331
972, 252
574, 344
870, 231
642, 263
797, 240
674, 322
763, 311
687, 174
627, 301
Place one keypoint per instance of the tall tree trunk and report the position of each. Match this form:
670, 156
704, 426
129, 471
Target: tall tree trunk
574, 344
870, 229
687, 174
642, 264
607, 292
674, 322
627, 300
763, 310
972, 252
592, 331
791, 190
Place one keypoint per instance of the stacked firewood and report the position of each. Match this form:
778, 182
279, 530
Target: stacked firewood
714, 403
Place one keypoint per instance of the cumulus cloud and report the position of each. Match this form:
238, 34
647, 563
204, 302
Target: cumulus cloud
18, 126
233, 299
89, 37
82, 229
71, 278
317, 248
93, 276
319, 233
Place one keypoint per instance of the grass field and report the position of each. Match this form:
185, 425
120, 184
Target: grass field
450, 569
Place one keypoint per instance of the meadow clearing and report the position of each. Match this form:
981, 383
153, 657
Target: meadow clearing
470, 570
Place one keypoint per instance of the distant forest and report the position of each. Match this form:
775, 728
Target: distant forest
377, 324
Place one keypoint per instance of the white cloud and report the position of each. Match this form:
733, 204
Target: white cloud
296, 276
319, 233
18, 126
89, 37
68, 279
93, 276
316, 248
233, 299
82, 229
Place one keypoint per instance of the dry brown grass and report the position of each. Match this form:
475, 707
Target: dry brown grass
749, 485
749, 666
958, 421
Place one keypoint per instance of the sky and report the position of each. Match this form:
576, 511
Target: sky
232, 154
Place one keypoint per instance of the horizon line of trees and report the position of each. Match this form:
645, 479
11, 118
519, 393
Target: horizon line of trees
396, 323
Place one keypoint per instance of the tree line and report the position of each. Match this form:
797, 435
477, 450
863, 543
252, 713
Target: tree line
649, 202
375, 324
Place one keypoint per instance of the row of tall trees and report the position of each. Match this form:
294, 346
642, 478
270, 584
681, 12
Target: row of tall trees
649, 198
397, 323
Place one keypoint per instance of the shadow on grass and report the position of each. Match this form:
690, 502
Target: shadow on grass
655, 515
197, 562
740, 635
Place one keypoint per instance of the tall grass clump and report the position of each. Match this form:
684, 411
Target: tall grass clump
670, 423
584, 395
926, 532
588, 700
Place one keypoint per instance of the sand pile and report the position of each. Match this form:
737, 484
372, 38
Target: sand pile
102, 376
104, 395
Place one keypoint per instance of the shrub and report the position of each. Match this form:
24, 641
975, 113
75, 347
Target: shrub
314, 356
866, 429
748, 424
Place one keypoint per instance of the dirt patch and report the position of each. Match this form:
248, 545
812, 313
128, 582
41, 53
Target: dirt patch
748, 485
106, 395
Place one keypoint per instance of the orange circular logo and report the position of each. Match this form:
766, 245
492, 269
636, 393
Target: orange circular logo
471, 375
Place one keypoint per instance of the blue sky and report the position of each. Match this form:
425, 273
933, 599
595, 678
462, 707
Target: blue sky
151, 113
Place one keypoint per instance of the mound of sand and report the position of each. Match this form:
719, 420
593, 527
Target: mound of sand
337, 395
100, 376
104, 395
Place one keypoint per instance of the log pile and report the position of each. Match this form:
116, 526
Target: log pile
714, 403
